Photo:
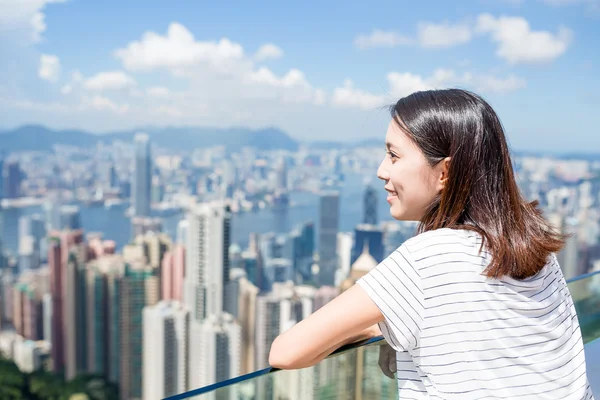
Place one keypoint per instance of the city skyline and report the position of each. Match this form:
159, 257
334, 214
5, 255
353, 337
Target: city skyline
258, 66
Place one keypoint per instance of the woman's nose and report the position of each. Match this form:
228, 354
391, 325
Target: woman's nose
382, 171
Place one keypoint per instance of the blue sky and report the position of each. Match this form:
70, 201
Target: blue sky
318, 70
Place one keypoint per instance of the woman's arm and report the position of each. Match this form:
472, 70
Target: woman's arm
350, 317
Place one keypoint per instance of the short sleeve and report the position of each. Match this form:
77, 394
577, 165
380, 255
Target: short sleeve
395, 287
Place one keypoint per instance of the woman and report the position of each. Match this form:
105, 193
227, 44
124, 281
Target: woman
475, 305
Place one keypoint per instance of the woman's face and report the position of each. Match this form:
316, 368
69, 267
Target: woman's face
409, 180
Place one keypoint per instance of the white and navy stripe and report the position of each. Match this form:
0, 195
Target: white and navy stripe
461, 335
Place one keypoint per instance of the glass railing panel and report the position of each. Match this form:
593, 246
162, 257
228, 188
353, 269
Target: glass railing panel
354, 372
585, 291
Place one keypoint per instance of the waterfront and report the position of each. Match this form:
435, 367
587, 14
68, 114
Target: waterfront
115, 225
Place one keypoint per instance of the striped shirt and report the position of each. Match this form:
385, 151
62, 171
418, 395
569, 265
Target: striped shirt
461, 335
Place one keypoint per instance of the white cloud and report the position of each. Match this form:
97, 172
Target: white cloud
178, 49
113, 80
24, 19
101, 103
493, 84
402, 84
518, 44
268, 51
169, 111
66, 89
348, 96
49, 68
379, 38
158, 91
443, 35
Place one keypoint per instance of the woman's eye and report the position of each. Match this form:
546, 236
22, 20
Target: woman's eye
392, 156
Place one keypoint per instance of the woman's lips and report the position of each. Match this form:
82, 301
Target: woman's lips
391, 196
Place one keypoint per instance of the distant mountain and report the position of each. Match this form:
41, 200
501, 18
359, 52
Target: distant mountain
40, 138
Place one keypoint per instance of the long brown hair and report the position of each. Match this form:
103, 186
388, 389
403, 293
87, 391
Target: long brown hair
480, 193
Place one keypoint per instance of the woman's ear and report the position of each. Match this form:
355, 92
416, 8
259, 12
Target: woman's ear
442, 172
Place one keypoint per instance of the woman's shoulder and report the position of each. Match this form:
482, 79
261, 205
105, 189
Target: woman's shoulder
442, 237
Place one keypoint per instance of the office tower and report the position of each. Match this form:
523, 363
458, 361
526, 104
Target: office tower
1, 177
568, 257
67, 255
137, 288
158, 190
52, 214
113, 178
393, 236
165, 350
281, 174
47, 316
278, 311
370, 206
173, 268
329, 223
28, 254
300, 249
142, 176
246, 317
142, 225
216, 355
103, 278
370, 235
12, 177
182, 232
70, 218
344, 250
74, 304
154, 246
56, 285
207, 259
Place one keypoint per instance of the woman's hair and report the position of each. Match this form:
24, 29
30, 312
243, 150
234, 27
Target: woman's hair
480, 193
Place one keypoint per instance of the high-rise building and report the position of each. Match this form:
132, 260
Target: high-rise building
165, 350
329, 225
142, 182
370, 235
276, 312
28, 254
217, 353
173, 268
56, 291
344, 250
103, 278
281, 174
143, 225
207, 259
370, 206
182, 232
70, 218
12, 177
74, 305
568, 257
137, 288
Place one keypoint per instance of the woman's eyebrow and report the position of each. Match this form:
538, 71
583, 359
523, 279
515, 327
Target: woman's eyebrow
390, 146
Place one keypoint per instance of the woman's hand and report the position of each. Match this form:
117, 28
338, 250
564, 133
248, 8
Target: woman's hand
387, 360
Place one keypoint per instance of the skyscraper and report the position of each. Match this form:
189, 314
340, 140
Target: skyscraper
207, 259
142, 182
329, 224
216, 354
70, 218
165, 350
137, 289
12, 177
370, 206
370, 235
